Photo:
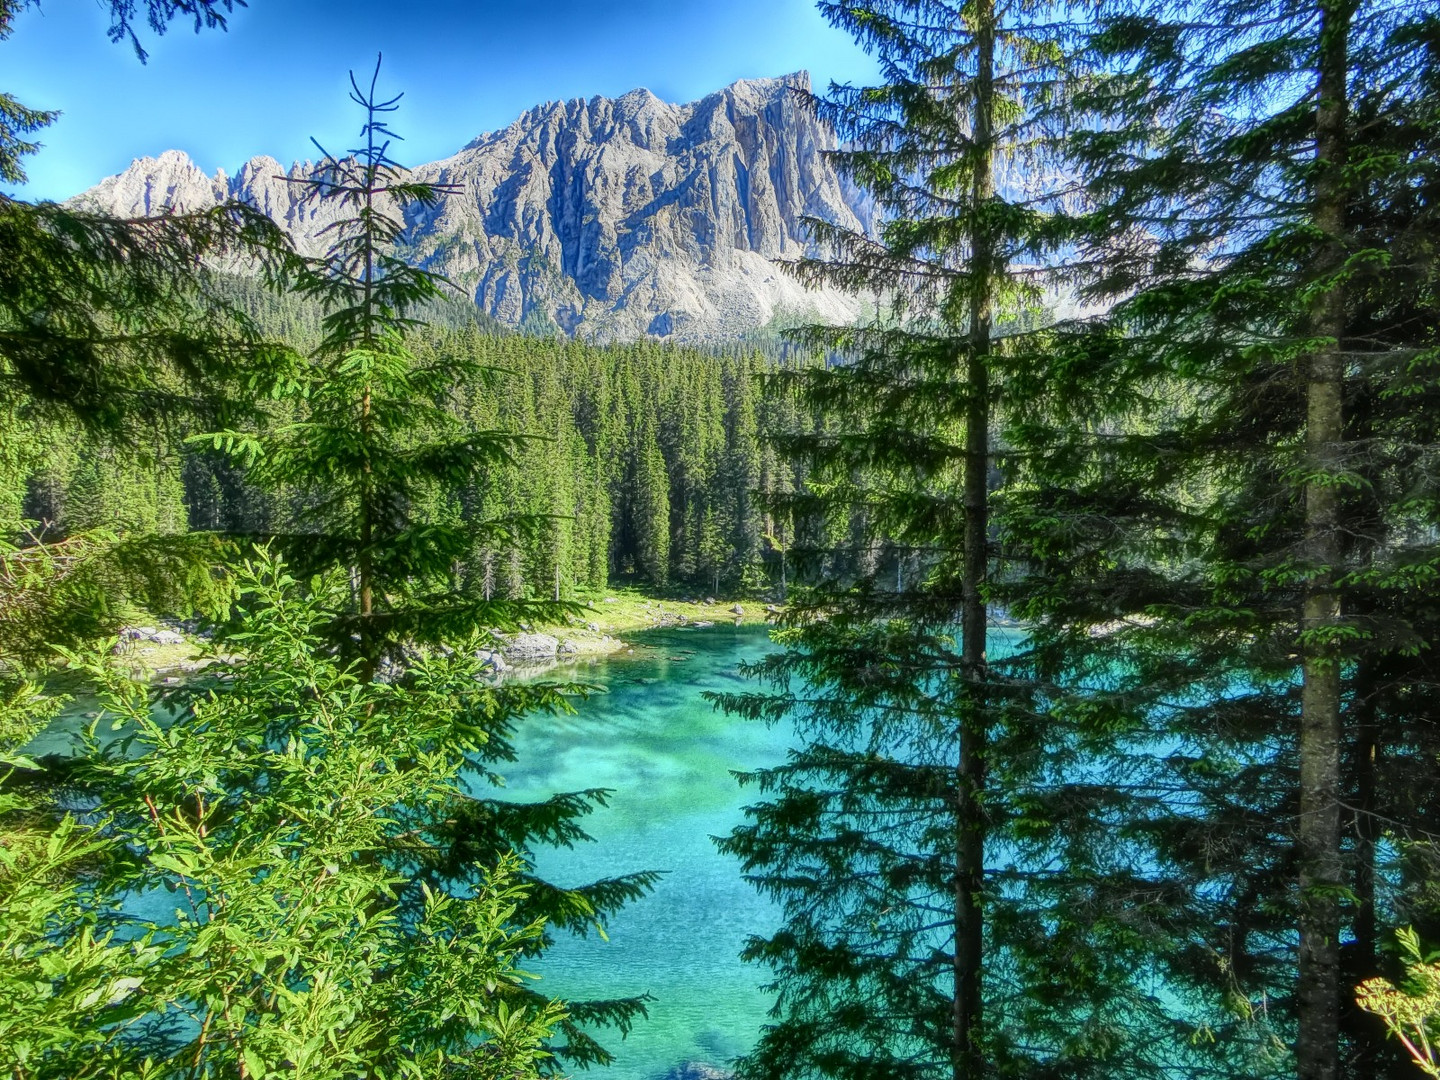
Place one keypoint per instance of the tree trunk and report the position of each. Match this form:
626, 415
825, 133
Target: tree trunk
1371, 1048
969, 1061
369, 649
1318, 833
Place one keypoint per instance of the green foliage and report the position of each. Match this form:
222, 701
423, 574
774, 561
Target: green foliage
930, 840
73, 592
58, 967
1411, 1012
1169, 485
249, 904
110, 322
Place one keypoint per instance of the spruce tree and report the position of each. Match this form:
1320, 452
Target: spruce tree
948, 879
1231, 508
378, 438
379, 432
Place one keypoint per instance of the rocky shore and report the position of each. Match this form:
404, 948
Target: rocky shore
169, 649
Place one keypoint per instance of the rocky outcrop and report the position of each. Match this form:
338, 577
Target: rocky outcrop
531, 648
609, 218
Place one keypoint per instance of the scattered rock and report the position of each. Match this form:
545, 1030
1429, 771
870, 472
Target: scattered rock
529, 648
708, 600
702, 624
609, 600
594, 628
568, 648
493, 659
737, 609
168, 637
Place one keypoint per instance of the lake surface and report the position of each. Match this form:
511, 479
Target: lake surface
668, 755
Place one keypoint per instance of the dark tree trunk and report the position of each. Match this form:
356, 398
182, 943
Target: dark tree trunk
970, 839
1318, 831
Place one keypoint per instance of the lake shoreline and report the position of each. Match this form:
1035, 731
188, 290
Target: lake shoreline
602, 632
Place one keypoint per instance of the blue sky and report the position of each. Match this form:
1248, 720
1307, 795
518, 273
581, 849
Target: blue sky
278, 75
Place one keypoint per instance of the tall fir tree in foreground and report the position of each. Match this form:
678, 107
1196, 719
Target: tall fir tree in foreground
1237, 515
376, 436
377, 444
939, 861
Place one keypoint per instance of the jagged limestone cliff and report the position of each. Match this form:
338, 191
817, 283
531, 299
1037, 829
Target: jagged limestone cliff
609, 218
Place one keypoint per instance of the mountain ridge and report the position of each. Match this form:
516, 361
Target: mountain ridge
608, 218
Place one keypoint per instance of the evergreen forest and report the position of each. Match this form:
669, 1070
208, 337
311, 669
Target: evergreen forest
1102, 562
644, 463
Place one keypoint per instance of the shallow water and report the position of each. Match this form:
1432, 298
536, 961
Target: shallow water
668, 755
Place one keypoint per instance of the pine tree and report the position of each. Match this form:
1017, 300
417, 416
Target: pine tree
930, 843
1222, 524
378, 440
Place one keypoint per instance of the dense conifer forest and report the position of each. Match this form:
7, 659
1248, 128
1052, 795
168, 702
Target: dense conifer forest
642, 462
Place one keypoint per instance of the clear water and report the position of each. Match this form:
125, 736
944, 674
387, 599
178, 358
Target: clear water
668, 755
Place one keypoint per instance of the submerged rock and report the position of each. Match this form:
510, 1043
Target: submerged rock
493, 659
698, 1070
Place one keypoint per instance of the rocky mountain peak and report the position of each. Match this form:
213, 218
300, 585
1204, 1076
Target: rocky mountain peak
614, 218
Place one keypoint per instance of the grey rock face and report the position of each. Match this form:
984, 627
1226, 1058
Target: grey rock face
531, 648
613, 219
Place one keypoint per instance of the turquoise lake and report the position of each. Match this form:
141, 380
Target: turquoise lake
668, 755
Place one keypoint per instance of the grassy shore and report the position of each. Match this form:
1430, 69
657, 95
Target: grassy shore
612, 614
